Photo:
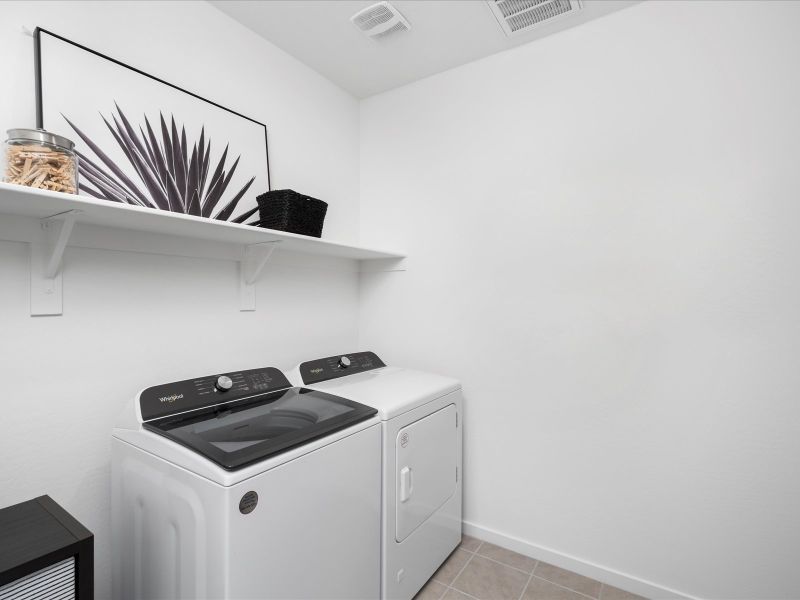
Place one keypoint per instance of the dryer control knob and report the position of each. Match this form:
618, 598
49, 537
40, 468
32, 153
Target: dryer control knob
344, 362
224, 383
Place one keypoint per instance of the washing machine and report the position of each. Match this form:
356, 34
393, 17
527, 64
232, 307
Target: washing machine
239, 485
421, 421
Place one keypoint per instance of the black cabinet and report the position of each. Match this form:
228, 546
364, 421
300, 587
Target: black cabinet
44, 553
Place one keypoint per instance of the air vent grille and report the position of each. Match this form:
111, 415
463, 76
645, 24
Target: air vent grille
372, 16
393, 29
380, 20
517, 16
509, 8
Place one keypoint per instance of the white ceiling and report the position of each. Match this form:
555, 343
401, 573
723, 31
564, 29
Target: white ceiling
444, 34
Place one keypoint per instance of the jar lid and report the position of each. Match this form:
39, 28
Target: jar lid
40, 135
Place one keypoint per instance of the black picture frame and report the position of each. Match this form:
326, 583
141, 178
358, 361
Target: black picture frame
39, 99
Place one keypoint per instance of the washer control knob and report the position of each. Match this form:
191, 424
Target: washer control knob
224, 383
344, 362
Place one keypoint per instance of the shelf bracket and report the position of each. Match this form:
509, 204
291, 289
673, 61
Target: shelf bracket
254, 257
46, 263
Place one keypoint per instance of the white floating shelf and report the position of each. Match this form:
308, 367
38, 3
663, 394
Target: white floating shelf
58, 212
40, 204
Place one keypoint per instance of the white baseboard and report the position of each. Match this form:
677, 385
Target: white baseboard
623, 581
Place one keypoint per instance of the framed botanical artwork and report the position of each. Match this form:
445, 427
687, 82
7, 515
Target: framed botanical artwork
144, 141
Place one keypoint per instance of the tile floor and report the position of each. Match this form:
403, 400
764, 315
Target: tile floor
480, 570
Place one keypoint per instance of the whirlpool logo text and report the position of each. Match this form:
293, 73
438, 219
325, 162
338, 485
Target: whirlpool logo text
171, 398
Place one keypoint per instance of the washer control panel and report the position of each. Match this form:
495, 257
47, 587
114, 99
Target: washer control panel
331, 367
189, 394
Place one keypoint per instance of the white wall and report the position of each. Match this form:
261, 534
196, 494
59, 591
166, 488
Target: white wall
132, 320
603, 236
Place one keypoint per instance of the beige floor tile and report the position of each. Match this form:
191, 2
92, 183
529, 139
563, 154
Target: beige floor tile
433, 590
609, 592
568, 579
470, 543
539, 589
507, 557
487, 580
448, 571
455, 595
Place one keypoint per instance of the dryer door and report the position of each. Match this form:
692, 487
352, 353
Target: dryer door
426, 453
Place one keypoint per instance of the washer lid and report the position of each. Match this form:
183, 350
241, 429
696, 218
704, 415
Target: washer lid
390, 390
238, 433
238, 418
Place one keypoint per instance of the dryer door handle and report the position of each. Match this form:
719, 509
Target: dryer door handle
406, 483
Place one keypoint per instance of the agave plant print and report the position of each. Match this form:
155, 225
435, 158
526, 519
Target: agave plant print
146, 142
170, 178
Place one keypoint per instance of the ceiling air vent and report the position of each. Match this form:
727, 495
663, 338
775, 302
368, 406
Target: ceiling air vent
379, 20
519, 16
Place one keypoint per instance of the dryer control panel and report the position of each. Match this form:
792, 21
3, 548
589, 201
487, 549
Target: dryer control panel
189, 394
331, 367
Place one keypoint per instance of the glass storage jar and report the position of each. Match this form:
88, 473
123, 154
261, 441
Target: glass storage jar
40, 159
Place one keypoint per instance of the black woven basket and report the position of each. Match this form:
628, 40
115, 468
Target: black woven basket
286, 210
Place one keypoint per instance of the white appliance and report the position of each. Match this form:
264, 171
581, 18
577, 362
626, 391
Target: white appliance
240, 486
421, 435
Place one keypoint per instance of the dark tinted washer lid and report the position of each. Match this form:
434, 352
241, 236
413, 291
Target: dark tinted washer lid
236, 434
